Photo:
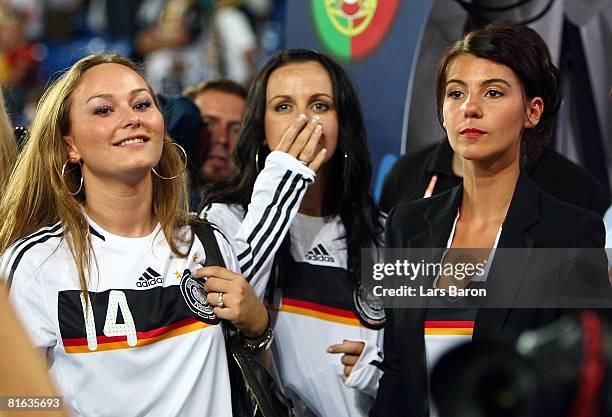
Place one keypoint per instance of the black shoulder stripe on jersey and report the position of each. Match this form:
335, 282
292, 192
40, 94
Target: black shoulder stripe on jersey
203, 213
267, 236
96, 233
266, 212
216, 229
47, 229
224, 238
270, 241
378, 364
24, 249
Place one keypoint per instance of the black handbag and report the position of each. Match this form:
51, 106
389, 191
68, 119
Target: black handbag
254, 391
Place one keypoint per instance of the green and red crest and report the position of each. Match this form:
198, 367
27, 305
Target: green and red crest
352, 29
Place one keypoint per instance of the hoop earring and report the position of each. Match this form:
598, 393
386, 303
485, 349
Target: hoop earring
64, 182
184, 167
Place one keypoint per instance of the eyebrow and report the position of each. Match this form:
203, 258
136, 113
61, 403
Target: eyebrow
485, 82
279, 96
283, 96
210, 116
108, 95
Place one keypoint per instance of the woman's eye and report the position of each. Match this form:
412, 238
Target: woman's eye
494, 93
454, 94
142, 105
320, 106
234, 130
102, 111
281, 107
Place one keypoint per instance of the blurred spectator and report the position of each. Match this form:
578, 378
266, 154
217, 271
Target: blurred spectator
62, 19
175, 43
184, 125
181, 41
206, 122
269, 22
186, 41
260, 9
31, 13
236, 40
221, 103
18, 66
32, 36
115, 18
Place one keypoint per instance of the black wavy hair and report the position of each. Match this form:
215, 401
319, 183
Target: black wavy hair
526, 54
350, 170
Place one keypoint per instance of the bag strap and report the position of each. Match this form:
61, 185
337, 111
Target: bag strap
257, 394
205, 231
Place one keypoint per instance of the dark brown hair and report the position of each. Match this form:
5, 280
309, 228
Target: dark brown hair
351, 168
525, 53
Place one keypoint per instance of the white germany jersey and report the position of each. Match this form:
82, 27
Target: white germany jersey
138, 350
316, 306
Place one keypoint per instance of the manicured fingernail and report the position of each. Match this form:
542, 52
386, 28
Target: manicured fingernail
324, 150
330, 350
319, 128
315, 119
301, 117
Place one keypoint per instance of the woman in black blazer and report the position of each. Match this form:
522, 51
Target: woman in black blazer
497, 93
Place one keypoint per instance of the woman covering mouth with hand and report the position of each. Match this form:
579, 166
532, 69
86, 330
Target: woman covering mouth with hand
300, 237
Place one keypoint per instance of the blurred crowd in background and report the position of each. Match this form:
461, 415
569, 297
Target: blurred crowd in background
179, 42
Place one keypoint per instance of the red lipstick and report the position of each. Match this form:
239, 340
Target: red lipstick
472, 132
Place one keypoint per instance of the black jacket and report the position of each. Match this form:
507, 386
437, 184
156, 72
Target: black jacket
554, 173
534, 220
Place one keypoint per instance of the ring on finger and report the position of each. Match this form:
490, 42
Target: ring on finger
303, 162
220, 303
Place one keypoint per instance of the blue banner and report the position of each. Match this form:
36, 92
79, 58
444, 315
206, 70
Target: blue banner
377, 42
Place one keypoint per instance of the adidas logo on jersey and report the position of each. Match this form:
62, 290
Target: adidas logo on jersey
149, 278
318, 253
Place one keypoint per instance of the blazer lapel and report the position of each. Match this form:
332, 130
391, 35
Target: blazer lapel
506, 275
429, 245
523, 213
440, 217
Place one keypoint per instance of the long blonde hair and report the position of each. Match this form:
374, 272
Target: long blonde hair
37, 195
8, 146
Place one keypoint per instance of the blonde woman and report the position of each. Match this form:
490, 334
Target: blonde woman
101, 260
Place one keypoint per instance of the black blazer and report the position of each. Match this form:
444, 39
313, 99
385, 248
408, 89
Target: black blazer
534, 220
553, 172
